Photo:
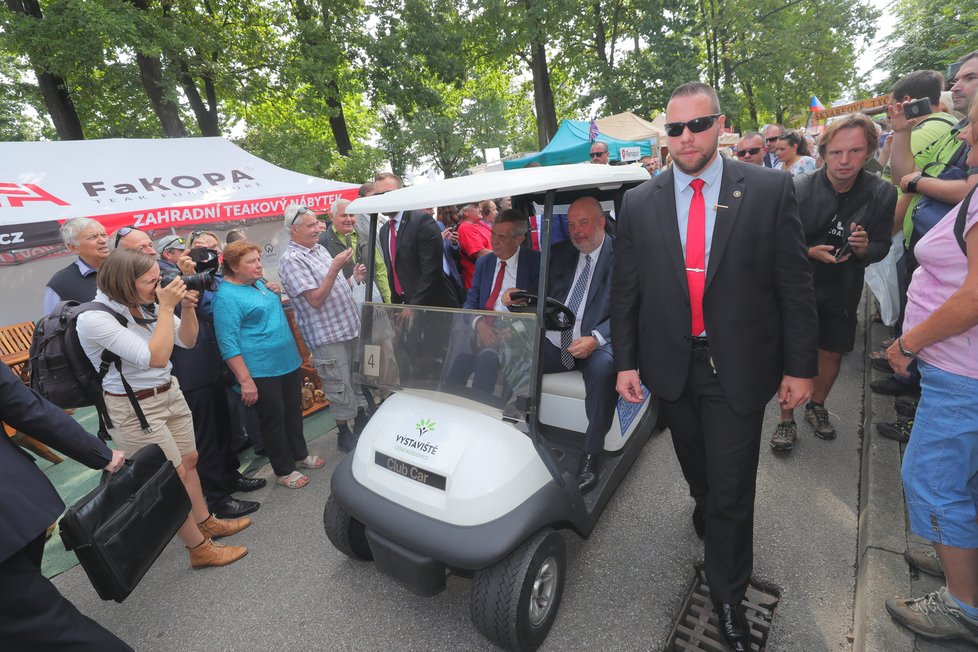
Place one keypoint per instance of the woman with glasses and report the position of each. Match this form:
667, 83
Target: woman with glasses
793, 154
257, 344
128, 285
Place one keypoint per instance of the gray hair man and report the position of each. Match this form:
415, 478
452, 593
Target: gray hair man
76, 281
327, 315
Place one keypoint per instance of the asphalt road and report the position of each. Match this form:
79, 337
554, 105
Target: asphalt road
625, 585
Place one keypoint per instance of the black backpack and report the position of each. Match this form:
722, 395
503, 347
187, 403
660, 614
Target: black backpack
62, 373
960, 220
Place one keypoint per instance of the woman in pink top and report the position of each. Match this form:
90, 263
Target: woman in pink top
940, 465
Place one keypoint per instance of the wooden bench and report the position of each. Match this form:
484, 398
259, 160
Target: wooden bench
15, 341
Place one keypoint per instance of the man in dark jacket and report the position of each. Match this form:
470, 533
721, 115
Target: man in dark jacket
76, 282
33, 615
847, 214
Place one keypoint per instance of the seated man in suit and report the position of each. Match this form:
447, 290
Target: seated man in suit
510, 267
580, 278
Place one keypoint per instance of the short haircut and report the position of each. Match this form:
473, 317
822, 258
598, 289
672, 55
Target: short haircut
233, 254
511, 215
75, 227
234, 235
797, 139
644, 159
380, 176
919, 84
698, 88
968, 57
850, 121
777, 126
366, 189
117, 275
752, 134
292, 213
602, 143
341, 201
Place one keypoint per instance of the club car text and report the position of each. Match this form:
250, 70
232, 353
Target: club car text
410, 471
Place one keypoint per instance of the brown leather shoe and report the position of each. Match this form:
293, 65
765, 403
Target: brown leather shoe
215, 528
208, 553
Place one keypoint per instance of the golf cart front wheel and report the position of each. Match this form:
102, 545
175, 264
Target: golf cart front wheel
346, 533
515, 601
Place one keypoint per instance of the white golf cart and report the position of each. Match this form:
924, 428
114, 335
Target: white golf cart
447, 478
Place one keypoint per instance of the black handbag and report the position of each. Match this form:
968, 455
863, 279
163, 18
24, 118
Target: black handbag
120, 528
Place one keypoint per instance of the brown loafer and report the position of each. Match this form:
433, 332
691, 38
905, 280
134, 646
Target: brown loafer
215, 528
208, 553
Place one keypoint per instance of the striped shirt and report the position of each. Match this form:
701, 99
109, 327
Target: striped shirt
338, 319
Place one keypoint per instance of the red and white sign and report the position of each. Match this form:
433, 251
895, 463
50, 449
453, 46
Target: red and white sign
149, 183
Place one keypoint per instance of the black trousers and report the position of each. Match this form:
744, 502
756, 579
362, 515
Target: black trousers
280, 415
34, 616
718, 450
217, 465
600, 396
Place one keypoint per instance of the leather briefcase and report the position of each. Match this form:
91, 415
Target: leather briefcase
119, 528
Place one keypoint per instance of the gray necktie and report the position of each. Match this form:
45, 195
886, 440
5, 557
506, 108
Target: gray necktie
577, 295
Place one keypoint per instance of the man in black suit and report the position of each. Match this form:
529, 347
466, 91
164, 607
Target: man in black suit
580, 278
712, 306
33, 615
417, 268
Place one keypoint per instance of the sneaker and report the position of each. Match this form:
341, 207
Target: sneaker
784, 436
905, 407
924, 559
934, 616
209, 553
818, 417
892, 387
215, 528
898, 430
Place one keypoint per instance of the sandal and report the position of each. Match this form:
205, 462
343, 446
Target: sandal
294, 480
888, 342
878, 355
311, 462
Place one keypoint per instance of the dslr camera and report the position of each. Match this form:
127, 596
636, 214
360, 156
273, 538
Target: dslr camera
203, 278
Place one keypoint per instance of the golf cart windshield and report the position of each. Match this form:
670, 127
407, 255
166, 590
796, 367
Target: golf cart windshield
482, 358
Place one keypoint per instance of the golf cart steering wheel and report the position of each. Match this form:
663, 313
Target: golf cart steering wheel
556, 316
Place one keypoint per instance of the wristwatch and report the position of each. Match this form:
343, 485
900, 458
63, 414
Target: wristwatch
904, 351
912, 184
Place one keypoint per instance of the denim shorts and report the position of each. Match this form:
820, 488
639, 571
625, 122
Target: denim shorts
940, 465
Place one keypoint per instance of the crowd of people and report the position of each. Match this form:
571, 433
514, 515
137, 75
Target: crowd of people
747, 289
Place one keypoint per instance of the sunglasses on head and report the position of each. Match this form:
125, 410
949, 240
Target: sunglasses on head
696, 125
123, 232
753, 151
302, 210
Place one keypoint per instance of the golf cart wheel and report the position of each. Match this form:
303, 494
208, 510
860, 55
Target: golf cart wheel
345, 532
515, 601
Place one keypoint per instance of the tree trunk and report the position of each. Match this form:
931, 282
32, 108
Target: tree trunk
543, 95
751, 103
337, 121
206, 114
53, 88
167, 111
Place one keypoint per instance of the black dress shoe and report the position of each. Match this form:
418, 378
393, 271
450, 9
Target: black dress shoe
733, 626
234, 508
241, 483
893, 387
699, 522
881, 364
587, 475
360, 422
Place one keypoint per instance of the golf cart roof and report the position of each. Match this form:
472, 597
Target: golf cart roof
570, 181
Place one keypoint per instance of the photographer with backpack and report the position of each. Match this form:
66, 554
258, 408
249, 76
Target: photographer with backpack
142, 399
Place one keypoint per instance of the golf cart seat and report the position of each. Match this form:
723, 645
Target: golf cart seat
569, 384
562, 406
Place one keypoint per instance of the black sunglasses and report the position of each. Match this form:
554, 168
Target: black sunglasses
771, 139
123, 232
753, 151
696, 125
597, 154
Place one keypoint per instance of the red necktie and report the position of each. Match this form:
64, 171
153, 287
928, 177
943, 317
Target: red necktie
393, 248
497, 286
696, 254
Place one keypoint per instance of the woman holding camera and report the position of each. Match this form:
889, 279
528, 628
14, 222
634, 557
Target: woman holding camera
257, 344
128, 286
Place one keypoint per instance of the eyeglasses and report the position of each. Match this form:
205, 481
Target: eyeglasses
753, 151
696, 125
123, 232
598, 154
299, 213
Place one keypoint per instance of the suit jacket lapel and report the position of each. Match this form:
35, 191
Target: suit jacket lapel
600, 273
664, 214
728, 208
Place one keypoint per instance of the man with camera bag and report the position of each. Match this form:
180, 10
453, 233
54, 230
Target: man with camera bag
33, 614
846, 213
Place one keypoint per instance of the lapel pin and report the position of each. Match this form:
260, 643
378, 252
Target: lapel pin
737, 193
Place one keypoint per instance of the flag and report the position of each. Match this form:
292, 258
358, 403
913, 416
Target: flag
592, 131
816, 105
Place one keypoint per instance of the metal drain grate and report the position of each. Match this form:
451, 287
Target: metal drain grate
696, 627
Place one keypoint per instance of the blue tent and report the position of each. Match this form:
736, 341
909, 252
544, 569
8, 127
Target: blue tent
571, 145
